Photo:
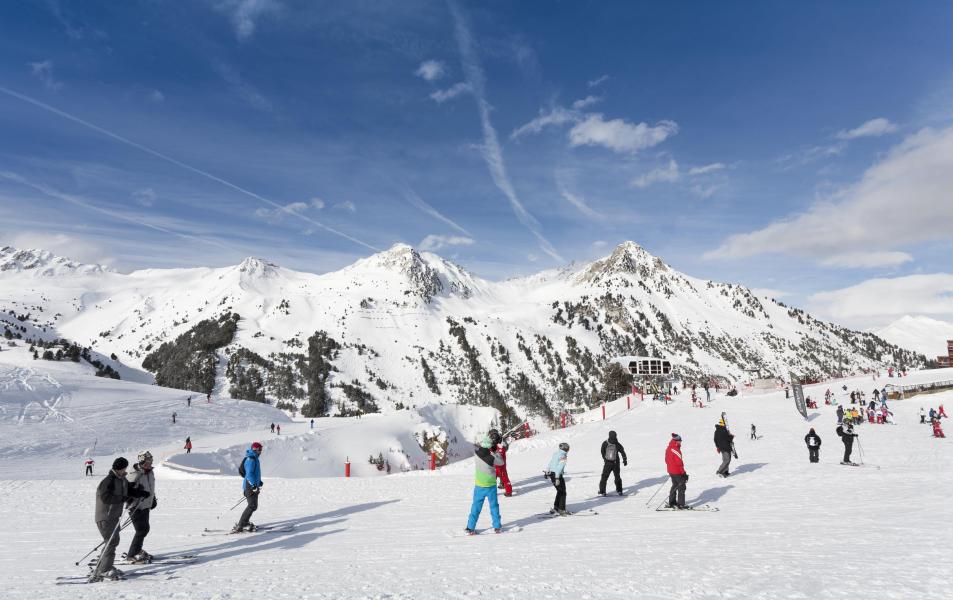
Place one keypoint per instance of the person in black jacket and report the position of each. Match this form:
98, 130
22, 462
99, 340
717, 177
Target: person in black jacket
611, 451
111, 493
724, 442
847, 436
813, 442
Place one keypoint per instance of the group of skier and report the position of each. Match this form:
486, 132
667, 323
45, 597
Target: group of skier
935, 416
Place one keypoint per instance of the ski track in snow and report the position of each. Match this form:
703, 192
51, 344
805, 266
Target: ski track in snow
785, 528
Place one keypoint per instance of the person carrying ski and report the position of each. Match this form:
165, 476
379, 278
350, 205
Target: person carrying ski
89, 467
484, 488
188, 445
676, 470
500, 447
611, 451
813, 442
556, 472
847, 436
144, 479
111, 493
724, 444
251, 486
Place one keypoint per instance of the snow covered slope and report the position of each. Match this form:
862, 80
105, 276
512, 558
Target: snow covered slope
408, 329
919, 333
786, 528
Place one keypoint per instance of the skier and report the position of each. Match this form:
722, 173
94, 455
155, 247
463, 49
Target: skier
278, 428
111, 493
89, 467
724, 444
840, 415
933, 416
208, 398
500, 447
937, 429
189, 401
484, 488
754, 434
813, 442
312, 423
173, 417
144, 479
188, 445
941, 413
611, 451
251, 486
707, 394
676, 470
556, 472
847, 435
272, 427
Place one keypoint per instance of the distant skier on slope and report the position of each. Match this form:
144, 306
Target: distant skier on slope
500, 446
611, 451
251, 486
676, 470
723, 443
556, 472
840, 415
847, 436
941, 413
188, 445
937, 429
923, 416
484, 488
754, 432
813, 442
142, 478
89, 467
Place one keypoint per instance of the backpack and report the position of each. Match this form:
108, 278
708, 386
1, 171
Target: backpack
612, 453
241, 468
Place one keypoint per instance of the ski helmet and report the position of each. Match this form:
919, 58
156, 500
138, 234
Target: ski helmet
144, 456
564, 447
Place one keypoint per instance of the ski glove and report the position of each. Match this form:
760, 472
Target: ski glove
625, 462
155, 502
254, 490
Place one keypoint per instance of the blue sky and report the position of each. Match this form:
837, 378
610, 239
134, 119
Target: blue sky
804, 148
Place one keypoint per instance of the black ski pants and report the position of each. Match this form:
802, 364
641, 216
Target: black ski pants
814, 453
252, 499
676, 496
140, 522
610, 466
848, 447
560, 483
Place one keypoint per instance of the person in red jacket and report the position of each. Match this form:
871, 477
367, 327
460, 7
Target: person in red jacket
500, 445
676, 470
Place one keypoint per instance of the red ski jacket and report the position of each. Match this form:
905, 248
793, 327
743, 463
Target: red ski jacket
673, 458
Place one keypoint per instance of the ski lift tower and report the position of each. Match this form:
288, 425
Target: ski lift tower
652, 369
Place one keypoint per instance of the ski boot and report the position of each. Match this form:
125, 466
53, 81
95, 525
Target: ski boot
470, 531
603, 494
114, 574
565, 513
622, 493
238, 528
143, 558
498, 530
251, 527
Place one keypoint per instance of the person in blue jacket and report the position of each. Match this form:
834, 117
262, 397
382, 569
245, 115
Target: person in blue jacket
251, 487
557, 467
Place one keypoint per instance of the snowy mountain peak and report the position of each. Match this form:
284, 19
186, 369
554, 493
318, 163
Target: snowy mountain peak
628, 258
257, 268
42, 263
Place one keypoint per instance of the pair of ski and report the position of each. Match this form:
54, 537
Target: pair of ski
552, 514
258, 529
696, 508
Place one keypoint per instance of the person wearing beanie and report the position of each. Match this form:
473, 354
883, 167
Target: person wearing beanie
484, 490
111, 493
724, 443
676, 470
813, 442
251, 486
611, 451
557, 468
142, 478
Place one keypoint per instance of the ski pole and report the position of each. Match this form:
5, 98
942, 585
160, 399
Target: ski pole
123, 526
861, 448
231, 509
119, 527
656, 492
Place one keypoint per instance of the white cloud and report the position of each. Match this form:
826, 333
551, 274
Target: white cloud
881, 299
44, 72
346, 205
867, 260
872, 128
145, 196
435, 242
491, 150
244, 14
599, 244
274, 215
620, 135
317, 203
431, 70
705, 169
532, 257
598, 81
441, 96
556, 116
705, 191
580, 203
905, 198
156, 96
61, 244
419, 202
587, 101
667, 174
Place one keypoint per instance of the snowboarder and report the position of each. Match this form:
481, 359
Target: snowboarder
611, 451
173, 417
724, 444
840, 415
754, 432
676, 470
813, 442
251, 486
272, 427
847, 435
141, 478
111, 493
556, 472
89, 467
500, 446
188, 445
484, 488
